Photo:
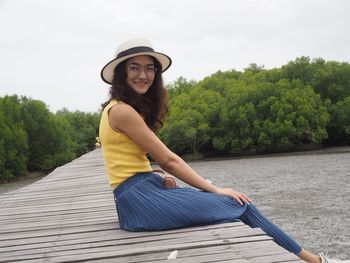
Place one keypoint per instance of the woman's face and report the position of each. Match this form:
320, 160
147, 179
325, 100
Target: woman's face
140, 73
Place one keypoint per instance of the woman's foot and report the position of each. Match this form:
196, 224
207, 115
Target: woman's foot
325, 259
322, 258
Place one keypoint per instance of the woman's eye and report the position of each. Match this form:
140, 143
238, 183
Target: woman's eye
134, 68
150, 69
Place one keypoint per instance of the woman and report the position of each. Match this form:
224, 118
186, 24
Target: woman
136, 109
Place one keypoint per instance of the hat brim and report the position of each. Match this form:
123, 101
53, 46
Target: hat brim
107, 72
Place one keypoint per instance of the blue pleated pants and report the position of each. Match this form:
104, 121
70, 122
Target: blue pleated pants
144, 203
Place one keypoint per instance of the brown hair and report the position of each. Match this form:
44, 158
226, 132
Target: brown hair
152, 105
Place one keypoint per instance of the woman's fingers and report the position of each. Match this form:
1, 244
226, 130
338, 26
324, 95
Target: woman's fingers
239, 197
248, 200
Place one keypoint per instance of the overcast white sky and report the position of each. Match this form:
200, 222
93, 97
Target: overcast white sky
53, 50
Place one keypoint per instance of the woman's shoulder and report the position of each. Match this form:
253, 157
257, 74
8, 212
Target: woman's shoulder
122, 115
113, 103
122, 110
120, 106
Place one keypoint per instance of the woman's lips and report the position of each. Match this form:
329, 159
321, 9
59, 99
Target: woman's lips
141, 84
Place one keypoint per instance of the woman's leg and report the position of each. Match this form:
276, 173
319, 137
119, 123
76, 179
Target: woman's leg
254, 218
309, 257
144, 203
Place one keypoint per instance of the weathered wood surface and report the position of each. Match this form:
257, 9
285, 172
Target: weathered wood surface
69, 216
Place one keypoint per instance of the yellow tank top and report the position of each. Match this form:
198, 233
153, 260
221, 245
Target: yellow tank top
123, 158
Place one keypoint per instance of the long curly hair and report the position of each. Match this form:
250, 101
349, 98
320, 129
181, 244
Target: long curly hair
152, 105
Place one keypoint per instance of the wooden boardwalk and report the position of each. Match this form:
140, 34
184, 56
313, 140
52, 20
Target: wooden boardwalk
69, 216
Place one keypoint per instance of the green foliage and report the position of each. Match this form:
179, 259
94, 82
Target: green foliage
189, 124
83, 129
259, 110
181, 85
294, 116
49, 146
340, 113
330, 79
13, 139
33, 138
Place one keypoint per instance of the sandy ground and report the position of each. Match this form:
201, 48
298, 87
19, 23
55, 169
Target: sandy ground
306, 194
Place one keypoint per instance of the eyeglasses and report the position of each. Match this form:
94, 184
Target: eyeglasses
135, 69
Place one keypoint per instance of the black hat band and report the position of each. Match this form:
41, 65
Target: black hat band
134, 50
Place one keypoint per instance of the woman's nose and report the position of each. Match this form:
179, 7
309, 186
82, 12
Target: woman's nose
142, 74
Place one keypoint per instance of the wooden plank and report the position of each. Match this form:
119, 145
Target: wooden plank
111, 251
105, 245
117, 240
69, 216
260, 247
117, 233
55, 213
243, 252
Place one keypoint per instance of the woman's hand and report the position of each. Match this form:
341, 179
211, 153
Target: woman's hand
239, 197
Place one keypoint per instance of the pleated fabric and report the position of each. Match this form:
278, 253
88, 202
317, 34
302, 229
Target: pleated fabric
144, 204
254, 218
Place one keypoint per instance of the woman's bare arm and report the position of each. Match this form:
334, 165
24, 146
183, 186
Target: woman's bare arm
124, 118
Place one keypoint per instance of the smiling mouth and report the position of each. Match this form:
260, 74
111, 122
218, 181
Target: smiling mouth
141, 83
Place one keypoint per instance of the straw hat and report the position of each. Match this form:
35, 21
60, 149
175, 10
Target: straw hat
132, 48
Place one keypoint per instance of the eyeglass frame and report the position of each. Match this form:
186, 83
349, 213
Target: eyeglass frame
141, 68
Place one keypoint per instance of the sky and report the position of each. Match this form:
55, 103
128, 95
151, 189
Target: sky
53, 50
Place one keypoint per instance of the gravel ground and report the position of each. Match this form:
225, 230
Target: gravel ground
306, 194
8, 187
